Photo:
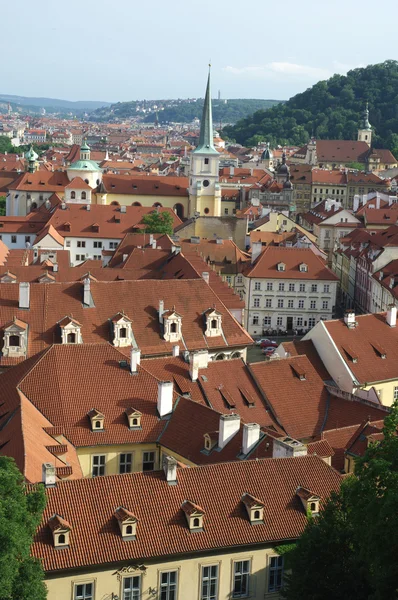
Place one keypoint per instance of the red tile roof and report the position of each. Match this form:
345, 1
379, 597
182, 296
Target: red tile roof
266, 265
144, 185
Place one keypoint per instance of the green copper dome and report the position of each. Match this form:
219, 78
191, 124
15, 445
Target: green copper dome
365, 120
31, 155
84, 165
85, 147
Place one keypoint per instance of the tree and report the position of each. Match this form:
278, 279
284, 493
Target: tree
5, 144
21, 508
349, 551
2, 205
158, 222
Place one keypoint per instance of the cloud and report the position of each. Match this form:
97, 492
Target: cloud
276, 69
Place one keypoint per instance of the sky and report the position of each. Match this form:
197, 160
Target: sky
128, 49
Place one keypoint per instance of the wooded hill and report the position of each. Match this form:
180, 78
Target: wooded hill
330, 109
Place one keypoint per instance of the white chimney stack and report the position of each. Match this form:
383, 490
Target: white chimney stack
165, 397
153, 245
135, 359
391, 317
55, 267
349, 319
198, 360
24, 294
87, 292
161, 310
377, 200
176, 350
170, 469
206, 277
256, 250
251, 435
228, 427
150, 239
48, 475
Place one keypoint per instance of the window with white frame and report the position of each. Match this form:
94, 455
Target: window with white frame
81, 244
67, 244
396, 392
257, 285
281, 287
311, 322
97, 244
268, 303
241, 579
314, 287
83, 591
209, 588
228, 279
255, 320
313, 304
279, 321
299, 321
256, 302
275, 580
239, 279
132, 588
280, 302
267, 320
302, 287
290, 303
98, 465
325, 305
148, 461
269, 286
326, 288
112, 245
168, 585
291, 287
125, 462
301, 303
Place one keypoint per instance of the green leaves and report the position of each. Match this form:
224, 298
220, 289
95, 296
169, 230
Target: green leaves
158, 222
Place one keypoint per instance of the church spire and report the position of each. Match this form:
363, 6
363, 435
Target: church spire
206, 144
365, 123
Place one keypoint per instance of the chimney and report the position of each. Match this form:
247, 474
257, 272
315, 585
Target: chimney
88, 207
349, 319
228, 427
377, 200
165, 397
150, 239
206, 277
176, 350
391, 317
256, 250
161, 310
288, 448
219, 241
153, 245
24, 295
123, 209
48, 475
87, 292
355, 205
170, 469
251, 435
198, 360
55, 267
135, 360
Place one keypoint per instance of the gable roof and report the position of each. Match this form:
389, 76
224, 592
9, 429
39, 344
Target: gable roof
266, 265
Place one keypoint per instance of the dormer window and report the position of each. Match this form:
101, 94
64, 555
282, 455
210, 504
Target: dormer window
70, 331
210, 440
172, 326
213, 320
8, 277
303, 268
61, 531
281, 266
97, 420
254, 508
15, 338
194, 515
127, 523
309, 500
134, 418
122, 330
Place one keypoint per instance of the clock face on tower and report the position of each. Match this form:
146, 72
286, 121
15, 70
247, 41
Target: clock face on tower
206, 183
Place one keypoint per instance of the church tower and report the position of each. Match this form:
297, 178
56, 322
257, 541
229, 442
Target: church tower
365, 130
204, 187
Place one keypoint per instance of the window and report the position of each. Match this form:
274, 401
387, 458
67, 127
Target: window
27, 239
81, 244
257, 286
239, 279
209, 590
97, 257
13, 239
299, 322
97, 244
302, 287
327, 233
71, 338
396, 392
275, 573
168, 585
291, 287
255, 320
290, 303
84, 591
268, 303
280, 303
325, 305
301, 303
148, 461
84, 196
314, 287
267, 320
73, 195
125, 463
281, 287
269, 286
311, 322
313, 304
326, 288
112, 245
225, 211
80, 257
256, 302
241, 579
279, 321
206, 161
173, 327
132, 588
68, 244
98, 465
228, 279
14, 340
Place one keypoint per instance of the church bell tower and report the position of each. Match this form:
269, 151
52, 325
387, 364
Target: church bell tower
204, 187
365, 130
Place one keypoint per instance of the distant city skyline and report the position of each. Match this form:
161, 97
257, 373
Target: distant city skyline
121, 52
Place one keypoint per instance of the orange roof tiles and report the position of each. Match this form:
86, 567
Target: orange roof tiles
266, 265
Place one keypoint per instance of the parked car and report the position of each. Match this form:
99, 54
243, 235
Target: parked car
269, 343
269, 350
261, 341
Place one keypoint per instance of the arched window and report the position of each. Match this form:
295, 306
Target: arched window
123, 332
73, 195
136, 204
61, 538
179, 210
313, 507
14, 340
157, 205
206, 211
196, 522
129, 530
257, 514
173, 327
33, 206
97, 425
86, 180
220, 356
114, 203
71, 338
214, 324
135, 421
84, 195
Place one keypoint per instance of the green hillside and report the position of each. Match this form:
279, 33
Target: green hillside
330, 109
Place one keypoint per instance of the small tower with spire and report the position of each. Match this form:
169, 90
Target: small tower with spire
31, 160
204, 187
365, 130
